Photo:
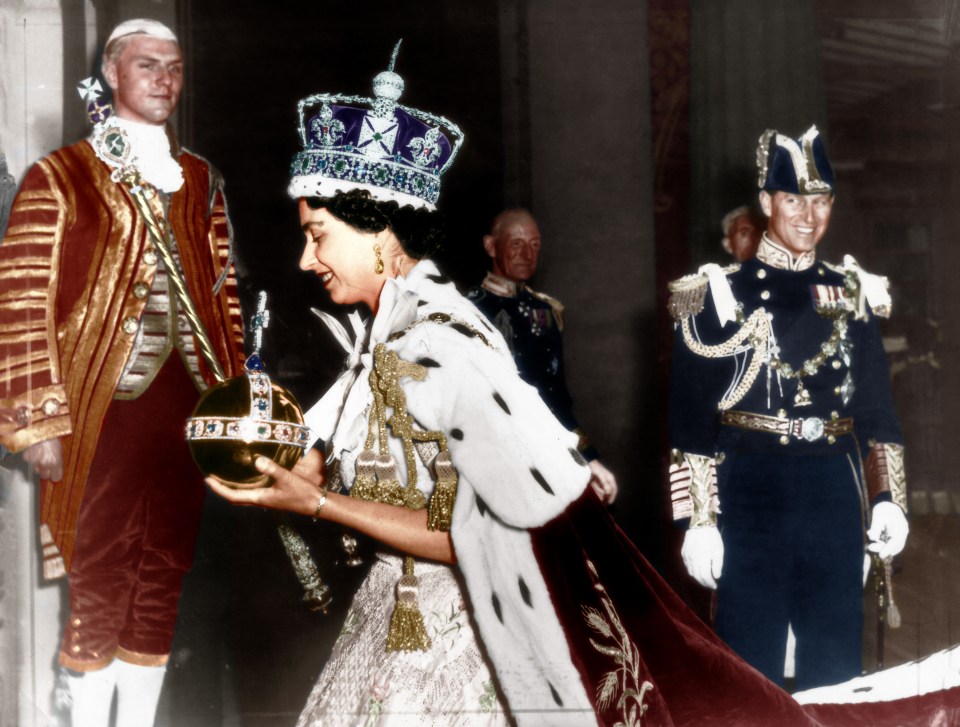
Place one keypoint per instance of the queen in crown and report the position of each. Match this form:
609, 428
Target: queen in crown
502, 592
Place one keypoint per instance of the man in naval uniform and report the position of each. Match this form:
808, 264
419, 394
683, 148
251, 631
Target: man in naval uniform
742, 228
101, 361
532, 325
787, 455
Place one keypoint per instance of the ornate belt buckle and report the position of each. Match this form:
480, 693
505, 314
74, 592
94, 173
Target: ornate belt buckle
811, 429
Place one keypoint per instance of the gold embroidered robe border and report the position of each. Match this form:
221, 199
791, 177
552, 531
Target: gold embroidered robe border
73, 252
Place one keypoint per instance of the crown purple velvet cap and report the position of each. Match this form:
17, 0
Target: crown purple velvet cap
353, 142
799, 165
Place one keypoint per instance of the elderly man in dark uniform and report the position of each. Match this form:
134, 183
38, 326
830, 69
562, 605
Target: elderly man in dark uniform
532, 324
788, 457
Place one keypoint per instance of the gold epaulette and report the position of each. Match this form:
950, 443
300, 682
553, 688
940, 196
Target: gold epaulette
687, 294
553, 302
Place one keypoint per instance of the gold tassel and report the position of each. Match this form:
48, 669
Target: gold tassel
365, 484
54, 566
444, 493
389, 489
407, 631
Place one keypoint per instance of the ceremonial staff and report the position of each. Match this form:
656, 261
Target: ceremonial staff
114, 147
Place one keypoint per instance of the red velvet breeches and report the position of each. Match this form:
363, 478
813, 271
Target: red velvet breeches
137, 529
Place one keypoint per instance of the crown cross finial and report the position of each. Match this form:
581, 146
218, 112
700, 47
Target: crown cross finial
393, 56
259, 321
387, 88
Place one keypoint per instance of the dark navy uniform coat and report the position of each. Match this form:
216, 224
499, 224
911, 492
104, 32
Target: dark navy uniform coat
792, 516
530, 326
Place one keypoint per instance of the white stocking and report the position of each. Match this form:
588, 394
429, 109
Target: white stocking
138, 692
92, 695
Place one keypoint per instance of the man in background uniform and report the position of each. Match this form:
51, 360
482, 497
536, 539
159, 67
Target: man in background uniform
779, 393
532, 324
742, 228
102, 361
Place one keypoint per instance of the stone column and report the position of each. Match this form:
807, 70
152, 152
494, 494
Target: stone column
578, 153
754, 64
33, 88
947, 312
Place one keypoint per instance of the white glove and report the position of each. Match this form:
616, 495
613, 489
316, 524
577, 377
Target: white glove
702, 553
888, 530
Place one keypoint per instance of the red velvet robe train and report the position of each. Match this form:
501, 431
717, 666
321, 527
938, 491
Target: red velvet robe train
670, 669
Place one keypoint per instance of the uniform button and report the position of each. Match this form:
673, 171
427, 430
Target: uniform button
821, 271
130, 325
765, 295
831, 439
761, 273
836, 390
75, 648
784, 439
50, 407
836, 363
834, 415
150, 257
140, 291
782, 413
75, 636
76, 622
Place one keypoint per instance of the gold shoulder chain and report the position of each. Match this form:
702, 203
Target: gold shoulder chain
756, 329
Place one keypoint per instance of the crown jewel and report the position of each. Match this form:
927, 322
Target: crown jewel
387, 87
246, 416
393, 151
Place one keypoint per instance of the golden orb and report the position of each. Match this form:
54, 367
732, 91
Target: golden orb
243, 417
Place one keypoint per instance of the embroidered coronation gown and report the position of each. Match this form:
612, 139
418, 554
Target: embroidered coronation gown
551, 615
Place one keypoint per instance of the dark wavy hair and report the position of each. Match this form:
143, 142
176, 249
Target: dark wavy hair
420, 231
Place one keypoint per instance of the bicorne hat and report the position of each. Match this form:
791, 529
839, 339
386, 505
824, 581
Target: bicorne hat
799, 165
353, 142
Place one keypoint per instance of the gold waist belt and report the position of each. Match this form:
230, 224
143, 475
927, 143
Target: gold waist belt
811, 429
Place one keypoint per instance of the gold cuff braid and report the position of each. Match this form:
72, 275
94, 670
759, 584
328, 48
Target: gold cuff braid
693, 488
886, 473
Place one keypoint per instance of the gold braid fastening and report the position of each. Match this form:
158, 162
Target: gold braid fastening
757, 329
316, 592
377, 479
160, 235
